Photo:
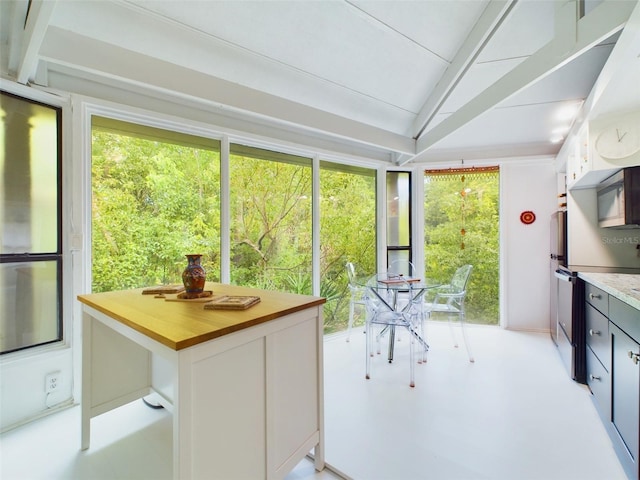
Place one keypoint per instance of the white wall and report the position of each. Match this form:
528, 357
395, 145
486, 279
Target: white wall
525, 271
22, 392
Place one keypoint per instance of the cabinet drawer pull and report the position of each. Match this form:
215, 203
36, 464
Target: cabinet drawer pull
593, 332
594, 296
595, 377
635, 357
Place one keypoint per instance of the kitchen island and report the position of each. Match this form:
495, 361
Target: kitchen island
245, 387
612, 315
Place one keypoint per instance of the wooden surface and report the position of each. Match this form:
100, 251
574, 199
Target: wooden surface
180, 325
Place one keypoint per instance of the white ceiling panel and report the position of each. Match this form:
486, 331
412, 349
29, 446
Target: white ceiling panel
571, 82
374, 73
331, 41
529, 124
437, 25
476, 80
528, 28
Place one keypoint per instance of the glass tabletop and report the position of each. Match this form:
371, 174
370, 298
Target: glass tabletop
396, 282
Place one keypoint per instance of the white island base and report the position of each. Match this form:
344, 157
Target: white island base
246, 404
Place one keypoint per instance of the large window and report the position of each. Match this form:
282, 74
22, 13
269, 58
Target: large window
30, 224
347, 234
156, 198
270, 205
461, 210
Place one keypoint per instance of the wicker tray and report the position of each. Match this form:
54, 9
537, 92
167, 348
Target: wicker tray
232, 302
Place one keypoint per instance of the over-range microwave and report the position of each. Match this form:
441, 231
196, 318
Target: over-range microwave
619, 199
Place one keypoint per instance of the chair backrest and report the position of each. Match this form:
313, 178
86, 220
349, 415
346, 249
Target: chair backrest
402, 267
460, 278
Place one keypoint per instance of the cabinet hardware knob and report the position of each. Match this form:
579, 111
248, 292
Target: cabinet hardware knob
595, 377
635, 357
593, 332
594, 296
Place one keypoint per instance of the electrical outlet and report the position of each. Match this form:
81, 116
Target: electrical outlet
52, 382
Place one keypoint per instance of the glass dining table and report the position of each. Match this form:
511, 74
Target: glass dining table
400, 295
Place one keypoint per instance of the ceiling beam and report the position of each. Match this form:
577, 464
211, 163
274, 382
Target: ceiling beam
16, 26
115, 64
38, 17
572, 38
492, 16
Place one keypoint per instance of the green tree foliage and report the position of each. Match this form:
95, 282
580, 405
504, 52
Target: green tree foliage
347, 234
155, 202
270, 205
271, 229
451, 206
152, 203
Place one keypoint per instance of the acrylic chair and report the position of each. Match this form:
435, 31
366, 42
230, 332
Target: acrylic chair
383, 314
449, 300
358, 293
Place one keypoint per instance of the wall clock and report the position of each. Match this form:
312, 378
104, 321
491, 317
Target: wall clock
620, 140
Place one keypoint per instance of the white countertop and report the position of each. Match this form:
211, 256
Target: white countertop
624, 286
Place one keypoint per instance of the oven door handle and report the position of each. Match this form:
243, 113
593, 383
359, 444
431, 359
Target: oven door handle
564, 277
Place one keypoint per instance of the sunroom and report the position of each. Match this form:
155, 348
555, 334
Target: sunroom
282, 140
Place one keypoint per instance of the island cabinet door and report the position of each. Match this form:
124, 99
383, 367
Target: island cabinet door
294, 391
250, 403
625, 405
221, 417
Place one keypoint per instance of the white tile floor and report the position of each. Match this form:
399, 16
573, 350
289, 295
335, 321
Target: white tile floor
514, 414
130, 443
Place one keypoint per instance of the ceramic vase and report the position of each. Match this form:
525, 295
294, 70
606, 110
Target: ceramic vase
194, 275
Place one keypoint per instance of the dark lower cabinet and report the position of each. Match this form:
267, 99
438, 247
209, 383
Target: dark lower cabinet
598, 355
625, 392
613, 371
624, 329
599, 382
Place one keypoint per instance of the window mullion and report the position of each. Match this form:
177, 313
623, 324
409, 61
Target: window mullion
225, 222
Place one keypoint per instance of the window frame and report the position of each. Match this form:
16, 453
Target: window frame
391, 249
58, 255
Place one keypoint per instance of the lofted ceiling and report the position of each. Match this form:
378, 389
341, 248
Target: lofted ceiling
405, 81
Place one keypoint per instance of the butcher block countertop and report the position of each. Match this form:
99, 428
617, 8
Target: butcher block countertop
183, 324
623, 286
